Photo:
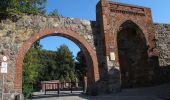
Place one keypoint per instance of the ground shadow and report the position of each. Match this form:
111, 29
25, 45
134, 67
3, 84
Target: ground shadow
54, 94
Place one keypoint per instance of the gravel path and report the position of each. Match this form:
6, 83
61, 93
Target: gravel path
151, 93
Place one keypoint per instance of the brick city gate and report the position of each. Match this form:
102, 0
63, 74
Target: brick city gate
110, 44
91, 58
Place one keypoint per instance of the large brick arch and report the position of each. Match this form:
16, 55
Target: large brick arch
93, 74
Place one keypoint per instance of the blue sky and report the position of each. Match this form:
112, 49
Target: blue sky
85, 9
53, 42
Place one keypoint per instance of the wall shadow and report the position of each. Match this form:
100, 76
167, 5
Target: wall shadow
161, 74
132, 53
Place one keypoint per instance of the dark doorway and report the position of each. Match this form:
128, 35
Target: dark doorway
132, 51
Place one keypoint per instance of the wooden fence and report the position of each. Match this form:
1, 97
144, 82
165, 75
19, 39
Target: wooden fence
59, 86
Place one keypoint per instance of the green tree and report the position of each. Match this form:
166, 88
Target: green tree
30, 73
66, 63
81, 67
15, 7
81, 70
49, 67
57, 65
43, 65
37, 46
32, 6
8, 6
54, 13
31, 68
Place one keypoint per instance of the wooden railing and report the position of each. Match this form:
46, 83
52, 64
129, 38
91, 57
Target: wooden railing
58, 86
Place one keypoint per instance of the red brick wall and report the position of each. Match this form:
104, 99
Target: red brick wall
115, 14
110, 17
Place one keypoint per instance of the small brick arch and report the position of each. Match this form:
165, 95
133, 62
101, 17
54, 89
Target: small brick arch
93, 74
135, 24
118, 29
121, 22
130, 66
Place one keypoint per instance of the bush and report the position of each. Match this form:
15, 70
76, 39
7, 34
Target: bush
27, 90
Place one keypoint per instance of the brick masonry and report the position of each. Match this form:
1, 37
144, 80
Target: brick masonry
17, 37
112, 18
98, 39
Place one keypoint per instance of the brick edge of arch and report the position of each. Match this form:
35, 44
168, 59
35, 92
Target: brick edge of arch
50, 32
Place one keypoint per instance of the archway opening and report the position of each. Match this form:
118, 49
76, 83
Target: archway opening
132, 53
87, 49
46, 66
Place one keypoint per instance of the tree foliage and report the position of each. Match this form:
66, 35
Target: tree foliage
65, 62
43, 65
15, 7
80, 66
57, 65
30, 71
53, 13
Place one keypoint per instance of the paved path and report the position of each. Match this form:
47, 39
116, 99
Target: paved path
151, 93
102, 98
